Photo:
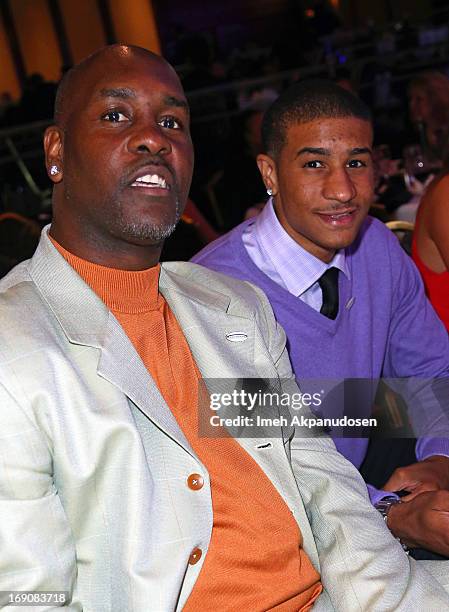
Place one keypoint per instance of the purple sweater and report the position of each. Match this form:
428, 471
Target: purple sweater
385, 326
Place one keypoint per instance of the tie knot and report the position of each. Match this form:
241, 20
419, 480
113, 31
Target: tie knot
330, 277
329, 288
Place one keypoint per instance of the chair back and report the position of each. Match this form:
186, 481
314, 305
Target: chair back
403, 231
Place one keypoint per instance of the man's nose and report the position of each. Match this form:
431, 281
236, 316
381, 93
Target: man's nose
149, 139
339, 186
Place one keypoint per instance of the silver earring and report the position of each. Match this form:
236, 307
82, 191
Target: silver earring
270, 191
54, 170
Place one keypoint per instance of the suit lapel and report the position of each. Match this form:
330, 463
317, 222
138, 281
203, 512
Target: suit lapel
121, 365
208, 324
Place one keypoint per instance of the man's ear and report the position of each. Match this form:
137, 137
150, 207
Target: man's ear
54, 148
267, 168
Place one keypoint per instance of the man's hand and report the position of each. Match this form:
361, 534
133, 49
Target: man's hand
432, 474
423, 522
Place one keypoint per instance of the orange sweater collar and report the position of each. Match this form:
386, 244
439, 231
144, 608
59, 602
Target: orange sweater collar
126, 291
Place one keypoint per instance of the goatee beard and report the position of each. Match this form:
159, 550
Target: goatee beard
150, 231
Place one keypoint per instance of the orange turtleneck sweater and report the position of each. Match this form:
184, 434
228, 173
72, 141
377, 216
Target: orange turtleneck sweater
255, 559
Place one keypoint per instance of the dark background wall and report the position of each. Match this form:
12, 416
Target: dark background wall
43, 35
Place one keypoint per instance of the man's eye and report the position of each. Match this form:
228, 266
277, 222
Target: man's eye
114, 117
315, 163
356, 163
170, 123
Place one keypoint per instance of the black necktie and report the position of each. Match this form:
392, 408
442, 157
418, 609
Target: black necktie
329, 287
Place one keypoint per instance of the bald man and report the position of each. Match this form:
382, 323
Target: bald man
110, 497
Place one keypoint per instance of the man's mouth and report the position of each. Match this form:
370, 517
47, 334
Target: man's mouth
339, 218
151, 181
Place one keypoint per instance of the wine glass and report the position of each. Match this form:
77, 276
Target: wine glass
419, 170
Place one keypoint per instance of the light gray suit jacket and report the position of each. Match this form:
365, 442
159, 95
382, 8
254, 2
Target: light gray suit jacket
93, 465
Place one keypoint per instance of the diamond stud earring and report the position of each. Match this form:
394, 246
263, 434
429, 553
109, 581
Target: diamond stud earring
54, 170
270, 191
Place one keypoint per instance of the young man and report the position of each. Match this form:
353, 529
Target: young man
107, 490
351, 302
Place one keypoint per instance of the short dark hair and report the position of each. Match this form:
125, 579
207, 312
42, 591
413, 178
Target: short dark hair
307, 101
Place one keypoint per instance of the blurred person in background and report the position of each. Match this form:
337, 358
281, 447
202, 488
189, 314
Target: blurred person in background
403, 182
429, 111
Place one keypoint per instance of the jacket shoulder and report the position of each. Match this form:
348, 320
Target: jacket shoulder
24, 315
216, 281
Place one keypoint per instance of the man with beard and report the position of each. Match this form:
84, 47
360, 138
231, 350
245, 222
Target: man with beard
108, 492
350, 300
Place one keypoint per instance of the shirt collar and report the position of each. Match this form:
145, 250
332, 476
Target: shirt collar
298, 268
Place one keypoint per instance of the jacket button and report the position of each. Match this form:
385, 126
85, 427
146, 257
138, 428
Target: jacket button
195, 482
195, 556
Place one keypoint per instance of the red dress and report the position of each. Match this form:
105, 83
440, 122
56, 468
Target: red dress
436, 284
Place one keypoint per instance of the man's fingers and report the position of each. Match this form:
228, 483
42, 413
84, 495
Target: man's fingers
414, 492
400, 481
430, 474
